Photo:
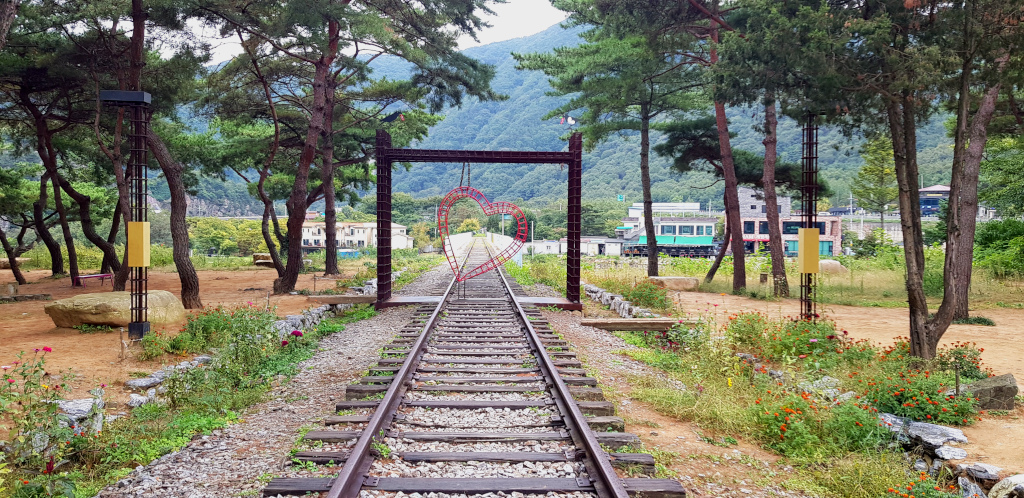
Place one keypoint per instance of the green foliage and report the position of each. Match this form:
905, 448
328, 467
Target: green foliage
28, 395
875, 185
965, 357
519, 273
999, 247
469, 225
648, 295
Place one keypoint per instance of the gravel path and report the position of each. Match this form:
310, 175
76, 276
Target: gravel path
230, 461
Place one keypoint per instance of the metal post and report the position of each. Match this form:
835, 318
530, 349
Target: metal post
809, 203
383, 218
574, 221
138, 206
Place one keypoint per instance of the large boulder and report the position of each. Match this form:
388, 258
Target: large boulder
5, 263
831, 266
113, 309
994, 393
676, 283
1011, 487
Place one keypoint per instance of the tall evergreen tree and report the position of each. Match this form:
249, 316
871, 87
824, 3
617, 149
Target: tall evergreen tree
618, 84
875, 185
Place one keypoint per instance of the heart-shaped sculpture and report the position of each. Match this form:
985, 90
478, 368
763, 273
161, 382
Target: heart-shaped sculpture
490, 208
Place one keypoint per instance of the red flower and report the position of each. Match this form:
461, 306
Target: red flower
284, 343
297, 333
47, 349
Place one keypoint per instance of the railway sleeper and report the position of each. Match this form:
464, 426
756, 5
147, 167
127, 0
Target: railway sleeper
596, 408
361, 391
613, 440
599, 424
648, 488
386, 379
642, 463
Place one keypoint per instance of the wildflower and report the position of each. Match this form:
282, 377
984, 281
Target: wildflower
297, 333
10, 381
803, 356
47, 349
814, 340
5, 367
284, 343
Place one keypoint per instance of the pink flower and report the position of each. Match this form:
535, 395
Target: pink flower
10, 381
47, 349
814, 340
103, 385
284, 343
803, 356
297, 333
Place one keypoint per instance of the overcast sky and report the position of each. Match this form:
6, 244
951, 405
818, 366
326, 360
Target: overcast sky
515, 19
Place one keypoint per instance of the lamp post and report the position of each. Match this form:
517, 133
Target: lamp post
138, 207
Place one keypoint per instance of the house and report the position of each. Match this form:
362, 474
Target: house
352, 235
753, 216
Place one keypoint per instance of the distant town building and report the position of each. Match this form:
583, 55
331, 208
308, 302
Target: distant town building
352, 235
931, 199
663, 208
753, 216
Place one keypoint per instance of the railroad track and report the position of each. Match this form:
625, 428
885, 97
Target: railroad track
475, 396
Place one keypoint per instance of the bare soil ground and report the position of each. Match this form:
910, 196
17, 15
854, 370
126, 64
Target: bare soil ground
95, 358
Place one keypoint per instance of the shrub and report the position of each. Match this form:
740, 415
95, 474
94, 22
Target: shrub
648, 295
918, 395
788, 425
28, 396
747, 329
855, 427
965, 357
924, 487
802, 339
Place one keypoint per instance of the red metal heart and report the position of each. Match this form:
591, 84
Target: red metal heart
490, 208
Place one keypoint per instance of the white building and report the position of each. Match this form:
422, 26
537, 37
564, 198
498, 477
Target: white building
663, 208
352, 235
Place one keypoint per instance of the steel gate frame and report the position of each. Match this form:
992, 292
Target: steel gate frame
386, 156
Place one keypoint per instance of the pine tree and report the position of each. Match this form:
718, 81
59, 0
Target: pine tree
875, 185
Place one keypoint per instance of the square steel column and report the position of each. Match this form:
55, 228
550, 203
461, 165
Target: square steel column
809, 206
574, 223
383, 219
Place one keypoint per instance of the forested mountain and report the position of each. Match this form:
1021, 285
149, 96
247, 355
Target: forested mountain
613, 167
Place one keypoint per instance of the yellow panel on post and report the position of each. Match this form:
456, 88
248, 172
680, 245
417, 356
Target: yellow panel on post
138, 244
807, 250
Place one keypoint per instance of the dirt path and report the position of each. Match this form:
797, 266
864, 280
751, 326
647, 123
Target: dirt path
95, 357
996, 440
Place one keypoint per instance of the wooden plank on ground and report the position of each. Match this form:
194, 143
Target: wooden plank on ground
630, 324
343, 299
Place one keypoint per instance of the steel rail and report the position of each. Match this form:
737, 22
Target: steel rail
608, 483
350, 479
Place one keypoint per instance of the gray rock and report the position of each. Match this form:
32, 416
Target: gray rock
1011, 487
77, 409
145, 382
933, 436
980, 471
950, 453
994, 393
921, 465
969, 489
203, 359
151, 394
821, 384
135, 400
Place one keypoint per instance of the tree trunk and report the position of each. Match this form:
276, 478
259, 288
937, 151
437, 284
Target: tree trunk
645, 184
12, 257
38, 207
732, 200
179, 229
297, 199
771, 201
8, 11
112, 265
327, 177
924, 335
88, 227
963, 207
268, 212
65, 229
718, 259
